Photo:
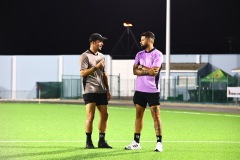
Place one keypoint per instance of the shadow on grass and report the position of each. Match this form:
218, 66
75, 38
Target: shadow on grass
106, 154
67, 152
57, 150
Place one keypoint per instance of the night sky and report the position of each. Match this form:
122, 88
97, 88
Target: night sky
63, 27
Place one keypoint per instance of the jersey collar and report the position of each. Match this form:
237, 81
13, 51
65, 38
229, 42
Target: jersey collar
92, 52
150, 50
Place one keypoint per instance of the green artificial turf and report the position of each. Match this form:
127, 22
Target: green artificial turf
56, 131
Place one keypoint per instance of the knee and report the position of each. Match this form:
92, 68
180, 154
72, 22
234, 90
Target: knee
139, 112
105, 116
90, 117
139, 115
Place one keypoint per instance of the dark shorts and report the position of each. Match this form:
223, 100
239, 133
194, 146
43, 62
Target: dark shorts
143, 98
98, 98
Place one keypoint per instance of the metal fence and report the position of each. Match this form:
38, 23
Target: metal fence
193, 89
19, 94
71, 87
183, 89
114, 85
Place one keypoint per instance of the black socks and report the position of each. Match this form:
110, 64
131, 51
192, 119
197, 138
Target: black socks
89, 137
137, 137
159, 138
102, 137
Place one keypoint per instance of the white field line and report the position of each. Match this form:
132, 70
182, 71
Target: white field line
182, 112
208, 114
120, 141
179, 112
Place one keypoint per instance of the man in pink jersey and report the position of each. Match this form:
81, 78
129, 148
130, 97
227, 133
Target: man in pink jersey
147, 67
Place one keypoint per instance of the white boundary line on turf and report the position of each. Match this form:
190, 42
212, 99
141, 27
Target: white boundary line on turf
121, 141
209, 114
180, 112
184, 112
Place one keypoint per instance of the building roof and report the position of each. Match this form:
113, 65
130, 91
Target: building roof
236, 69
184, 67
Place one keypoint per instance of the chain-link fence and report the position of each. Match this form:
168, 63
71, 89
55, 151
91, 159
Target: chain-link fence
193, 89
114, 85
71, 87
181, 89
19, 94
184, 88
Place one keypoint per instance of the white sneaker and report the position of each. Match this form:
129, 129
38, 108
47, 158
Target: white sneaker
133, 146
159, 147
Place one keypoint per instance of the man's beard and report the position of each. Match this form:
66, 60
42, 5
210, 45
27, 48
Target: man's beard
144, 47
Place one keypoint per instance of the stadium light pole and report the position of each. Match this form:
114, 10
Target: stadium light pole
167, 73
128, 31
127, 25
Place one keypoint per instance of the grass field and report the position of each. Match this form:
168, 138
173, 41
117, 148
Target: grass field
56, 131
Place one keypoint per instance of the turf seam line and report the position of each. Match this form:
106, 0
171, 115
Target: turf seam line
183, 112
121, 141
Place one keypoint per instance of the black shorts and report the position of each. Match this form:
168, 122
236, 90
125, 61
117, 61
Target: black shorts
144, 98
98, 98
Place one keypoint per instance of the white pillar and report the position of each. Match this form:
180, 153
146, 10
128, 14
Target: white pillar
167, 49
198, 59
14, 77
60, 68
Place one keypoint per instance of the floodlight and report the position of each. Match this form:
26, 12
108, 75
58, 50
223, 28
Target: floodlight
127, 25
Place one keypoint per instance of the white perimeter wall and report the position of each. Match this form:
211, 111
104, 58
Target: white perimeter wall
5, 72
32, 69
124, 68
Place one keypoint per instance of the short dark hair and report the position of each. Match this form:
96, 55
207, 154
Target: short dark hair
148, 34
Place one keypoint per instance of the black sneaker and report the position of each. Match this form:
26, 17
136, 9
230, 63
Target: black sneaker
89, 145
103, 144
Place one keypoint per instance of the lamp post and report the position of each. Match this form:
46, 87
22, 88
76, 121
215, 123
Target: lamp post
167, 76
127, 25
129, 47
